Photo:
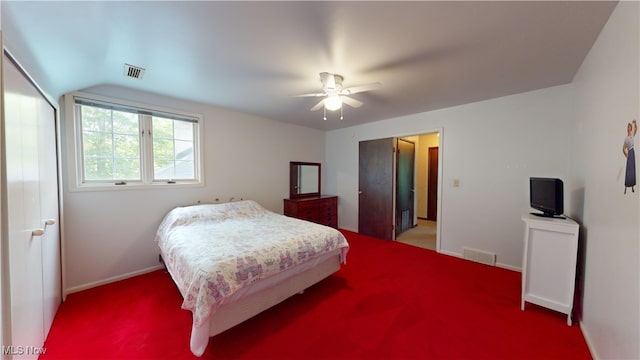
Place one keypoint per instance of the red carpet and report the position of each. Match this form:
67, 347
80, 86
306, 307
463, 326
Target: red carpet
390, 301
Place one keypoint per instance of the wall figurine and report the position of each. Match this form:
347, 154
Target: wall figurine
629, 153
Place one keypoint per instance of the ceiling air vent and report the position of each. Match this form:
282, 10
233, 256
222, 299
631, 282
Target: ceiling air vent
133, 71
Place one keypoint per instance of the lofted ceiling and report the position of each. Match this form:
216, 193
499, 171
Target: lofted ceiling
252, 56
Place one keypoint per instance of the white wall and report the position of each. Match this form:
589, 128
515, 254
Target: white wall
109, 234
607, 98
492, 147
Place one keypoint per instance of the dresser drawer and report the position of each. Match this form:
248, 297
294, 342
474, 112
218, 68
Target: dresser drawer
329, 205
331, 221
308, 205
322, 210
309, 214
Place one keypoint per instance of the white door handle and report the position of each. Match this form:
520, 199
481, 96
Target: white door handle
49, 222
37, 232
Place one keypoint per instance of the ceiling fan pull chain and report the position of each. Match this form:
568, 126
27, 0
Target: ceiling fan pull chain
341, 109
325, 113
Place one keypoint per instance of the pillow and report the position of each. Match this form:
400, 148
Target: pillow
212, 212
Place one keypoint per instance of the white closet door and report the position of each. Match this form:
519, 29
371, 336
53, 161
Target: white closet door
23, 200
51, 279
32, 201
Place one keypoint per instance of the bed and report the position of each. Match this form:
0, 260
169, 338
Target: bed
231, 261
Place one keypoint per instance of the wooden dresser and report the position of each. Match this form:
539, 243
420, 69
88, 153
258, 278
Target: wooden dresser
321, 209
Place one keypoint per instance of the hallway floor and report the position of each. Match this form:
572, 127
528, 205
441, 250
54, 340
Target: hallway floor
423, 235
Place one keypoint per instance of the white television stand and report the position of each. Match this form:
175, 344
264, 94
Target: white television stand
549, 263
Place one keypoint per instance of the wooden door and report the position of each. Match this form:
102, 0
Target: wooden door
375, 179
405, 156
432, 185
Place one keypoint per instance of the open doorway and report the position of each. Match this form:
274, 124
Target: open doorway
378, 214
424, 231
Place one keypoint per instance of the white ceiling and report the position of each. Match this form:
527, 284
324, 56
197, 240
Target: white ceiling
251, 56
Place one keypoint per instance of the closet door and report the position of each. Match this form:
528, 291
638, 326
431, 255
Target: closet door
49, 215
23, 209
31, 201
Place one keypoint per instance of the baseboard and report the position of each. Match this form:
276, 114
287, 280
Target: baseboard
587, 339
110, 280
451, 253
508, 267
348, 228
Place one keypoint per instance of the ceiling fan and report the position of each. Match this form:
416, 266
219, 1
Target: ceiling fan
335, 94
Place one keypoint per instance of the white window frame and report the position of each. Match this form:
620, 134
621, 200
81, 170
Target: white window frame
75, 150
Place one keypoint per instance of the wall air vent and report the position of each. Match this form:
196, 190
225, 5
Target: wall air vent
131, 71
483, 257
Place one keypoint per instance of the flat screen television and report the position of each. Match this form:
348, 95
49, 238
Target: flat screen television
546, 195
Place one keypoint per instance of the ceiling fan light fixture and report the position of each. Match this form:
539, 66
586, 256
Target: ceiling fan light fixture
333, 102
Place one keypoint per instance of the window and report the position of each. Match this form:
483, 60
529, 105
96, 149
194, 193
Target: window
122, 144
172, 149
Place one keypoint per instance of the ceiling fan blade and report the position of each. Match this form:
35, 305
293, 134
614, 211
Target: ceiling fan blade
351, 101
361, 88
310, 95
318, 106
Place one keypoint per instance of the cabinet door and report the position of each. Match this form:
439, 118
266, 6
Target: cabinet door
551, 267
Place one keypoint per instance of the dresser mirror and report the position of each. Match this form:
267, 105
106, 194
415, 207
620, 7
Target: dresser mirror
304, 179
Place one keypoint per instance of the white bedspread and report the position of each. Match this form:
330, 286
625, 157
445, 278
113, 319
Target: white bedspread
212, 251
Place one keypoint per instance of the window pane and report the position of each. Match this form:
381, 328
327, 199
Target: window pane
97, 144
127, 146
163, 149
127, 169
183, 130
164, 164
173, 152
125, 123
184, 149
96, 119
110, 144
184, 170
98, 168
162, 128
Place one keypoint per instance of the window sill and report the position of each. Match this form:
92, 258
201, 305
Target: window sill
133, 186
